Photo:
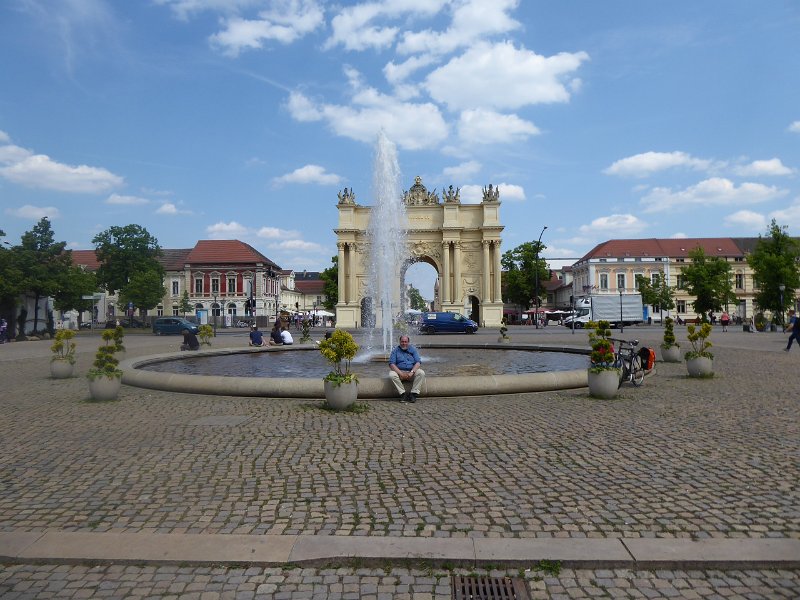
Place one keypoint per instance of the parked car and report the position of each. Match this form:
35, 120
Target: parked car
128, 323
170, 325
446, 322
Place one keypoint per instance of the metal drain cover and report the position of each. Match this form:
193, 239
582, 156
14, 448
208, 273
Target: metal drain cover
489, 588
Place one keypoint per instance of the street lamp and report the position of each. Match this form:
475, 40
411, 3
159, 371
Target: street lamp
621, 322
214, 311
536, 279
782, 288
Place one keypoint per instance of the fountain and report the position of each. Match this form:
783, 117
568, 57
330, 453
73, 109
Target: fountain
387, 237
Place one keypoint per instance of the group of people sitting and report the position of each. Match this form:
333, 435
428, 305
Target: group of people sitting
279, 336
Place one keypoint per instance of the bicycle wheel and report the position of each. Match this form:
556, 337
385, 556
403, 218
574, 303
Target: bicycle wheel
637, 371
623, 372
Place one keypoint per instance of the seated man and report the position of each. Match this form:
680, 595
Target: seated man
404, 365
256, 337
190, 341
286, 337
275, 338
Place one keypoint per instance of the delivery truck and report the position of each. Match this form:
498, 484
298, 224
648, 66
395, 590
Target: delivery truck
613, 308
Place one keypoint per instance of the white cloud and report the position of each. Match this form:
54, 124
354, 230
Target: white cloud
647, 163
473, 194
129, 200
411, 126
274, 233
678, 235
616, 225
309, 174
397, 73
757, 168
297, 245
185, 8
168, 208
224, 231
746, 218
11, 154
481, 126
501, 76
4, 137
711, 192
463, 171
795, 127
790, 214
34, 213
39, 171
285, 22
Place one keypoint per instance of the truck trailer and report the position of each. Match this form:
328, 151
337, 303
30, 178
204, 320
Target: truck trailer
614, 308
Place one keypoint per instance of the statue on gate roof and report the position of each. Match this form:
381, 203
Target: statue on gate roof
418, 195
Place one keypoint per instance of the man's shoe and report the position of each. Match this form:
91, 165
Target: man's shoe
404, 397
412, 398
786, 349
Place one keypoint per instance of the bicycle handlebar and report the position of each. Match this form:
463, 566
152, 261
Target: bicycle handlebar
632, 343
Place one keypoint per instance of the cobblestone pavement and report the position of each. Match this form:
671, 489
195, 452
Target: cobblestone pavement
675, 458
209, 583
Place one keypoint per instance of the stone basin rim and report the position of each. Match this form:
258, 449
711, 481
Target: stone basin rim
368, 387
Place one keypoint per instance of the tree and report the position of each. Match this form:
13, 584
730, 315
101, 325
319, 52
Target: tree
75, 283
185, 306
707, 278
145, 288
659, 296
774, 263
521, 266
11, 284
44, 263
331, 288
415, 299
122, 252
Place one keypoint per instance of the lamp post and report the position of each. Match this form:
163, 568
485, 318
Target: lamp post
621, 322
782, 288
214, 309
536, 279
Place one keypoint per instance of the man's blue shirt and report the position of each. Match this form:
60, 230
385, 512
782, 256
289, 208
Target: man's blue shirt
404, 359
256, 337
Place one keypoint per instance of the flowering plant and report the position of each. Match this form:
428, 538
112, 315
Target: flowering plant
339, 350
602, 356
63, 347
698, 338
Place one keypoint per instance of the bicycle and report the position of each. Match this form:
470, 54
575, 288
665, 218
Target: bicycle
629, 362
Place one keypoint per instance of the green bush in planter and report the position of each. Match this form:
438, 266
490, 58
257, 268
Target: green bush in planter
602, 357
339, 350
698, 338
63, 347
105, 363
669, 334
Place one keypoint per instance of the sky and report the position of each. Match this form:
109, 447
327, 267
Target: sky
242, 119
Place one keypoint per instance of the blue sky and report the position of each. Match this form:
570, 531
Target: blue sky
202, 119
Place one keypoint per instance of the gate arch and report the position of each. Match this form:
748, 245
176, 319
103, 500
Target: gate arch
461, 241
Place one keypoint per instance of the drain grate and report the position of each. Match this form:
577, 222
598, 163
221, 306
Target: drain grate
489, 588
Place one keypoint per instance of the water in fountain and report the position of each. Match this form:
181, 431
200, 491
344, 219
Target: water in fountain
387, 236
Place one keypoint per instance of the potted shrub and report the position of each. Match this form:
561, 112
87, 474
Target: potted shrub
699, 361
62, 362
341, 386
504, 337
670, 348
603, 375
105, 379
205, 333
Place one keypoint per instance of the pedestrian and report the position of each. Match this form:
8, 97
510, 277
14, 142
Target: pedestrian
724, 320
190, 341
275, 338
795, 330
286, 337
3, 328
404, 365
256, 337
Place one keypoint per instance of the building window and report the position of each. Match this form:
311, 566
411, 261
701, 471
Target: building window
739, 281
160, 311
756, 284
231, 286
215, 312
679, 281
215, 285
603, 281
198, 287
681, 306
176, 287
655, 279
175, 312
620, 281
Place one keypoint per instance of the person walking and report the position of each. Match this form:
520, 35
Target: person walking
795, 330
724, 320
404, 365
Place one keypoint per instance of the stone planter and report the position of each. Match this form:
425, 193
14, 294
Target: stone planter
61, 369
671, 354
604, 384
103, 389
340, 397
700, 366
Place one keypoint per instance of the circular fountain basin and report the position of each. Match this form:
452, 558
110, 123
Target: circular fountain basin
443, 379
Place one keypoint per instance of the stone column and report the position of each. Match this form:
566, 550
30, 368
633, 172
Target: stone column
446, 276
486, 274
457, 272
342, 272
498, 269
353, 269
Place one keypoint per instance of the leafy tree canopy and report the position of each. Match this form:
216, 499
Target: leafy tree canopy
145, 288
708, 279
185, 306
123, 252
521, 266
75, 283
774, 263
415, 299
660, 295
331, 288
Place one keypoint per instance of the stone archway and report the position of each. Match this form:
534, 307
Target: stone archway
461, 241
